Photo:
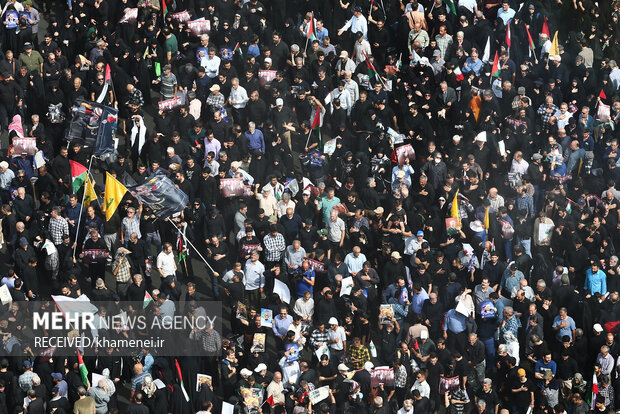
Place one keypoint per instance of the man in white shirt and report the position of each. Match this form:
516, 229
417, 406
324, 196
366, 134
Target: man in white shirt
238, 99
254, 280
166, 265
336, 339
357, 23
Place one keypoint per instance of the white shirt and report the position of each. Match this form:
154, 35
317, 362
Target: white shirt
212, 66
614, 78
338, 333
254, 278
165, 262
346, 101
423, 387
357, 24
563, 122
239, 96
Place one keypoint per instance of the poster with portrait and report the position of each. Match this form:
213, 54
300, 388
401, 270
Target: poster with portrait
232, 187
26, 145
94, 255
405, 152
265, 77
130, 16
266, 317
199, 27
11, 19
292, 352
452, 224
318, 267
487, 309
93, 125
386, 313
242, 311
26, 15
160, 193
203, 379
258, 343
382, 375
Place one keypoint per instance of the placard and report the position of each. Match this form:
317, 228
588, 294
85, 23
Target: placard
199, 27
5, 295
26, 145
386, 313
281, 289
169, 104
292, 352
265, 77
318, 267
130, 16
94, 255
319, 394
258, 343
242, 311
232, 187
11, 19
347, 286
203, 379
404, 152
266, 317
382, 375
181, 17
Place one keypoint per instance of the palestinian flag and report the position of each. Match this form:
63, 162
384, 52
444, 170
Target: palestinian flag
317, 122
459, 74
83, 369
371, 69
182, 255
545, 28
78, 175
495, 72
181, 380
106, 84
508, 39
310, 31
530, 42
451, 7
147, 299
237, 49
164, 8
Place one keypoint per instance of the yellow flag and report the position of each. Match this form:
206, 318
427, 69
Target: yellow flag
554, 45
486, 218
89, 193
454, 211
114, 192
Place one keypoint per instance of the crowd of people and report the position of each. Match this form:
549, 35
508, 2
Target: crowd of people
426, 223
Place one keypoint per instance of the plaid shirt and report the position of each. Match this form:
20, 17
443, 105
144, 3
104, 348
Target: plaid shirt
512, 325
606, 392
58, 227
318, 337
400, 377
274, 247
360, 353
211, 341
216, 102
124, 269
544, 115
131, 226
25, 380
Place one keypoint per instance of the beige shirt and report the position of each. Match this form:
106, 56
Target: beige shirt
269, 204
276, 389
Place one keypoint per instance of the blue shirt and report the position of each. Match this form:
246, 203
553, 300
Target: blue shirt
505, 15
302, 285
418, 301
472, 66
280, 326
510, 282
148, 363
256, 141
454, 322
541, 366
567, 330
596, 283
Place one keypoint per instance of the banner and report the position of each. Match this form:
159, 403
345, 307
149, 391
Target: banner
232, 187
169, 104
315, 265
199, 27
93, 125
181, 17
94, 255
24, 145
265, 77
382, 375
160, 193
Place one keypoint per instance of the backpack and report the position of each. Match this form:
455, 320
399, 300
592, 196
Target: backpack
507, 230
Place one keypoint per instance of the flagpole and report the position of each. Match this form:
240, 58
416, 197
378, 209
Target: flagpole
308, 36
77, 231
308, 140
192, 245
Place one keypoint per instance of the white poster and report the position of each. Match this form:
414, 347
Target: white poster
282, 290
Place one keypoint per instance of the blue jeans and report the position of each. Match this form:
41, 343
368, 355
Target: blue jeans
216, 286
489, 345
508, 249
